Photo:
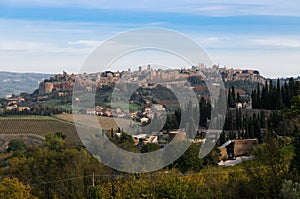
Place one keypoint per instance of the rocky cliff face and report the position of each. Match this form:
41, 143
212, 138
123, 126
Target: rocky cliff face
45, 87
48, 87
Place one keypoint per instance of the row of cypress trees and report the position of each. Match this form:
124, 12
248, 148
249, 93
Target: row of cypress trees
275, 96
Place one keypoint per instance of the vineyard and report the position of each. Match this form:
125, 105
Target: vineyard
106, 123
39, 126
34, 128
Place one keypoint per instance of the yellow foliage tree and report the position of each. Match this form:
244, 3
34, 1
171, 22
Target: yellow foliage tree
13, 188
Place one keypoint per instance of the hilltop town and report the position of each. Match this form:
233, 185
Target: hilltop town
57, 90
64, 82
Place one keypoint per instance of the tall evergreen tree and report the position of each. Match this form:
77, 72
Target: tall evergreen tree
279, 96
254, 99
233, 94
258, 97
292, 87
229, 99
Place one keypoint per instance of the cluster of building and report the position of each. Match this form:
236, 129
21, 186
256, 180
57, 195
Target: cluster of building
139, 116
148, 114
100, 111
244, 105
160, 138
230, 74
148, 77
229, 150
15, 103
60, 82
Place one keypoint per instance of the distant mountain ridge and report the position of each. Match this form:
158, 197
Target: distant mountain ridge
16, 83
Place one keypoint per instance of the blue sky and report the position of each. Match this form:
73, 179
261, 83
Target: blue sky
51, 36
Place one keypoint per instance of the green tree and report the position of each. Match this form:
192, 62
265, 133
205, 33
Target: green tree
272, 158
146, 148
16, 145
254, 99
60, 135
13, 188
54, 142
189, 161
295, 163
290, 190
58, 174
258, 97
94, 192
213, 157
231, 97
279, 100
125, 138
294, 111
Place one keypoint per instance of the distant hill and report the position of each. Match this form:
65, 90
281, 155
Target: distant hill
283, 80
15, 83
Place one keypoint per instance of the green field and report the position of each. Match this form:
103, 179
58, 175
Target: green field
58, 104
123, 105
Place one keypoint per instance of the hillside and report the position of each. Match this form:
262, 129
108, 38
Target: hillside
38, 126
15, 83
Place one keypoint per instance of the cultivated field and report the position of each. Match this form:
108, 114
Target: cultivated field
39, 126
106, 123
34, 128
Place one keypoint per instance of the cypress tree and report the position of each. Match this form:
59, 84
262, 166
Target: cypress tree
292, 87
254, 99
233, 95
230, 99
238, 98
279, 96
258, 97
264, 102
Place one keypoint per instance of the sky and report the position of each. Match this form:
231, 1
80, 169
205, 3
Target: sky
50, 36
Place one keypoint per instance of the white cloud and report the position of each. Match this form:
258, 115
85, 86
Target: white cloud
212, 8
39, 47
213, 39
25, 46
244, 41
285, 43
86, 43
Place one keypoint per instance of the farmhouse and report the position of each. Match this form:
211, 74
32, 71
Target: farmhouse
23, 109
90, 111
235, 148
